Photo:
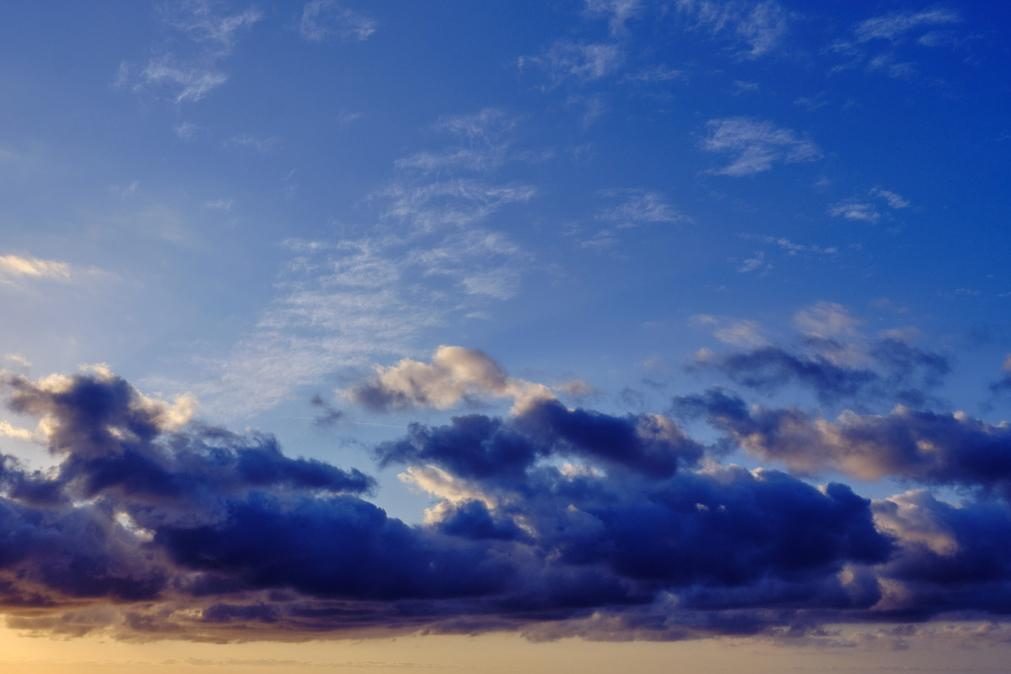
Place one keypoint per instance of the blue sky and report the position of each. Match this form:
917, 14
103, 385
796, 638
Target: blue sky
252, 204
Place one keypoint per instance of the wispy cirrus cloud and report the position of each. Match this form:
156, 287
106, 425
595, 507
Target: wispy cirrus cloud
323, 19
617, 12
896, 25
635, 207
577, 61
758, 27
484, 141
431, 254
191, 72
882, 43
186, 83
755, 146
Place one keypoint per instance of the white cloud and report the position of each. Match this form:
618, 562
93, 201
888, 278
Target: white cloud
793, 248
454, 203
455, 374
184, 82
893, 199
859, 211
579, 61
322, 19
219, 204
7, 430
755, 263
192, 77
656, 74
258, 144
760, 27
826, 320
350, 304
487, 140
14, 267
198, 20
637, 207
487, 125
756, 145
185, 130
736, 332
896, 24
617, 12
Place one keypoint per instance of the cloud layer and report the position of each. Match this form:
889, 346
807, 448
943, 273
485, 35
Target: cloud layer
554, 521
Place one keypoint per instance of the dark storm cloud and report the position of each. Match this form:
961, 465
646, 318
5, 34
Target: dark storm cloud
896, 370
478, 446
955, 558
919, 446
554, 521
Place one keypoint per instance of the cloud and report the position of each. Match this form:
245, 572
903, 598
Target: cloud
190, 73
553, 521
328, 415
617, 12
454, 203
863, 211
914, 445
826, 320
487, 139
198, 20
855, 210
905, 372
23, 267
8, 430
760, 27
429, 254
833, 360
876, 43
893, 199
455, 375
731, 331
636, 207
897, 24
1003, 385
322, 19
756, 146
582, 62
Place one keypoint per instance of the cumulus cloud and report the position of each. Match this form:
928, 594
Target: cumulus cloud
554, 521
755, 146
454, 375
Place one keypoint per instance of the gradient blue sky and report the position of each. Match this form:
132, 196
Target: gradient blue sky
257, 203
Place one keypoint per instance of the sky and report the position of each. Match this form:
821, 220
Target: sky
501, 336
